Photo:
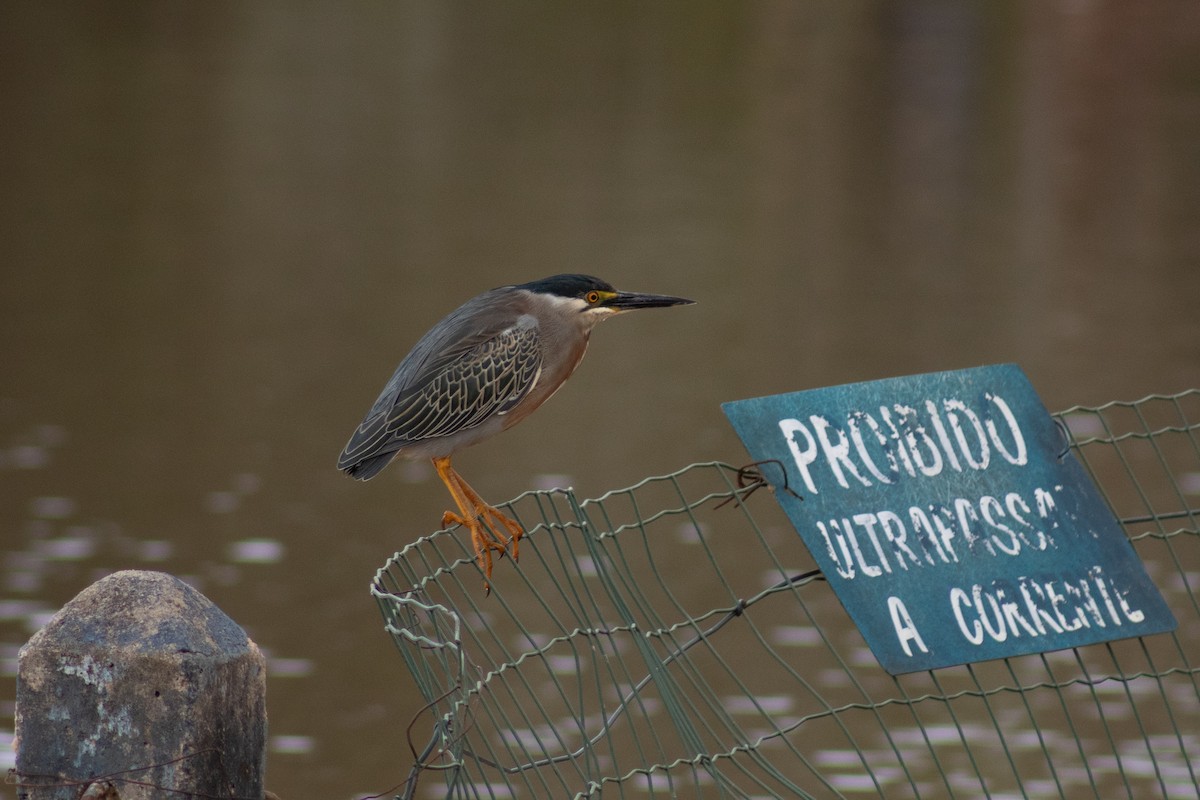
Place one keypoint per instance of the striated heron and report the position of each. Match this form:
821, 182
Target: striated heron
482, 369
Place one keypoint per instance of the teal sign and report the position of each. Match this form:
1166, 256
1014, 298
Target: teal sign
951, 519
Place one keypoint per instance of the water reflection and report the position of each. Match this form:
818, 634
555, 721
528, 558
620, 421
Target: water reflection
153, 550
256, 551
220, 221
289, 667
293, 745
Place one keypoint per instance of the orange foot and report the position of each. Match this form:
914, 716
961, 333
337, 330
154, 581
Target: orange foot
484, 521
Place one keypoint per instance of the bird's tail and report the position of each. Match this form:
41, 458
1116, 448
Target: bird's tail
369, 467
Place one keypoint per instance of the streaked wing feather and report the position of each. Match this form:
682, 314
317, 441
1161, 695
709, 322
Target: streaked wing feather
481, 377
489, 379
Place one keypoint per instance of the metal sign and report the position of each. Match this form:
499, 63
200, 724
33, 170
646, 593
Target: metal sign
951, 519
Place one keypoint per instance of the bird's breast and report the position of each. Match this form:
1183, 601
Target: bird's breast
552, 375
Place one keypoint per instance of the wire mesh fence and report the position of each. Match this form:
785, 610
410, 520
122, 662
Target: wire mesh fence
673, 639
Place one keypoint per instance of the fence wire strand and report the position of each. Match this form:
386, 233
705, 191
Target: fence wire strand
674, 639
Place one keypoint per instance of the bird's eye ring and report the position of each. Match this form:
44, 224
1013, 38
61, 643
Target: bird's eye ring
592, 298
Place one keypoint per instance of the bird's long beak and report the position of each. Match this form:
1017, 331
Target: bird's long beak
627, 301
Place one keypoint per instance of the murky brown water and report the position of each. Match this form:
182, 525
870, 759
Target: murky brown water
224, 224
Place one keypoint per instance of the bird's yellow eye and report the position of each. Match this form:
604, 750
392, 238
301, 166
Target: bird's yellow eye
592, 298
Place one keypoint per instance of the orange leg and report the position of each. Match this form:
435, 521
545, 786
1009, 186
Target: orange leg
484, 521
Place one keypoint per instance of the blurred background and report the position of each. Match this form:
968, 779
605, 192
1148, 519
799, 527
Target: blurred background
222, 225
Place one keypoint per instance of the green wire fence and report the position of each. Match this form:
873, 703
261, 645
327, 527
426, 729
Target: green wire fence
673, 639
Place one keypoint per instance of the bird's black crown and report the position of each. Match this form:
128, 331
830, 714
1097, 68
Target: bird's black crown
566, 285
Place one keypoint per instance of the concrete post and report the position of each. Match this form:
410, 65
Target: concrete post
140, 685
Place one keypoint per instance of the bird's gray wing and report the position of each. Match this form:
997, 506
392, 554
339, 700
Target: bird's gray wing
481, 381
457, 386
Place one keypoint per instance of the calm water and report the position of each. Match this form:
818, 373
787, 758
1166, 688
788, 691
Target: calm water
223, 224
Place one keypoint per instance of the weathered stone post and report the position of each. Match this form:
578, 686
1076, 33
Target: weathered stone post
140, 682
